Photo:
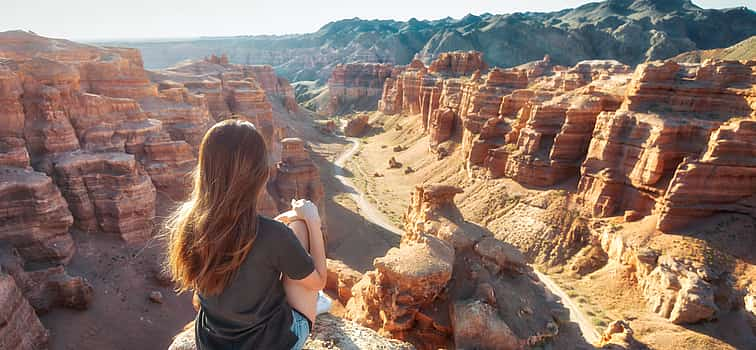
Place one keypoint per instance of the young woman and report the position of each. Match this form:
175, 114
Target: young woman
234, 259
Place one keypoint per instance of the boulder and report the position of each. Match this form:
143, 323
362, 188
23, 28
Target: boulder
356, 126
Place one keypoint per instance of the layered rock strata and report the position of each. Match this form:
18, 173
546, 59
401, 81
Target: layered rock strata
641, 156
19, 326
296, 177
637, 141
357, 86
107, 192
451, 282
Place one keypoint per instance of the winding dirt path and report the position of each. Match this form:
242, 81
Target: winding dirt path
372, 214
576, 315
367, 209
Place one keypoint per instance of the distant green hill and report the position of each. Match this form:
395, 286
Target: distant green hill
631, 31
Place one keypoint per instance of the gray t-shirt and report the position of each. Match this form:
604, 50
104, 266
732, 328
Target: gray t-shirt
252, 312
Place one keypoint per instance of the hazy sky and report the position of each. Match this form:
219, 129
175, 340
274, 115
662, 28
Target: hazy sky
107, 19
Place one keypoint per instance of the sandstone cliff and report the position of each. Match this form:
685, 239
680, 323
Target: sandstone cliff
357, 86
635, 140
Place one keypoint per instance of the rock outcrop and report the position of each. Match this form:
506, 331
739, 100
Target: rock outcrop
357, 86
20, 328
723, 179
296, 177
356, 126
35, 216
107, 192
451, 282
458, 63
341, 279
678, 288
639, 142
662, 132
329, 333
618, 335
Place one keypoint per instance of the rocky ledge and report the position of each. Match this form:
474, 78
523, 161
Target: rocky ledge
330, 332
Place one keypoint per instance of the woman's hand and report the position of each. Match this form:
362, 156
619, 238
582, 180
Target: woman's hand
306, 210
288, 217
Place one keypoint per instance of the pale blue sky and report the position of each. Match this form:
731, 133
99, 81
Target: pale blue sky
103, 19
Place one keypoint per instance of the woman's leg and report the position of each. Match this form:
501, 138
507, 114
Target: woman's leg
300, 298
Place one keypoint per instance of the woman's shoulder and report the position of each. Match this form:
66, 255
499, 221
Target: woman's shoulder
271, 228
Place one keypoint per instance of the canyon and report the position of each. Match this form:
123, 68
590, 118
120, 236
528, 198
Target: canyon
599, 166
590, 183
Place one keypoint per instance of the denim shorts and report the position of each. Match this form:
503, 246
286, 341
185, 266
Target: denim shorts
300, 326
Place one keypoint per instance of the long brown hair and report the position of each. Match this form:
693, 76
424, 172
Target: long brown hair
210, 234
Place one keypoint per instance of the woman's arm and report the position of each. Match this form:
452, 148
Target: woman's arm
307, 210
311, 239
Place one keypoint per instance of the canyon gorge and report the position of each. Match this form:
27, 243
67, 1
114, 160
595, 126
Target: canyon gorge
581, 179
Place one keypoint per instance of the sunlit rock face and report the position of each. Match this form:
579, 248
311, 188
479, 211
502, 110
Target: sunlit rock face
357, 86
674, 120
634, 140
450, 282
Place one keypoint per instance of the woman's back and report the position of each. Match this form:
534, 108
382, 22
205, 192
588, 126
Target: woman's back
251, 312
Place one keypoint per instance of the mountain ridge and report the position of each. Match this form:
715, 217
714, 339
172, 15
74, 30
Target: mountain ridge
631, 31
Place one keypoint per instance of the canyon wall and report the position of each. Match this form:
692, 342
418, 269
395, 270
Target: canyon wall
636, 141
357, 86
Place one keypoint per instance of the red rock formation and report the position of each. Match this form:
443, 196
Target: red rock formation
676, 288
184, 116
404, 280
274, 86
449, 282
45, 286
108, 192
341, 279
20, 328
35, 216
218, 82
356, 126
296, 177
441, 125
555, 138
723, 179
635, 151
356, 86
169, 164
118, 73
12, 144
458, 63
35, 235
